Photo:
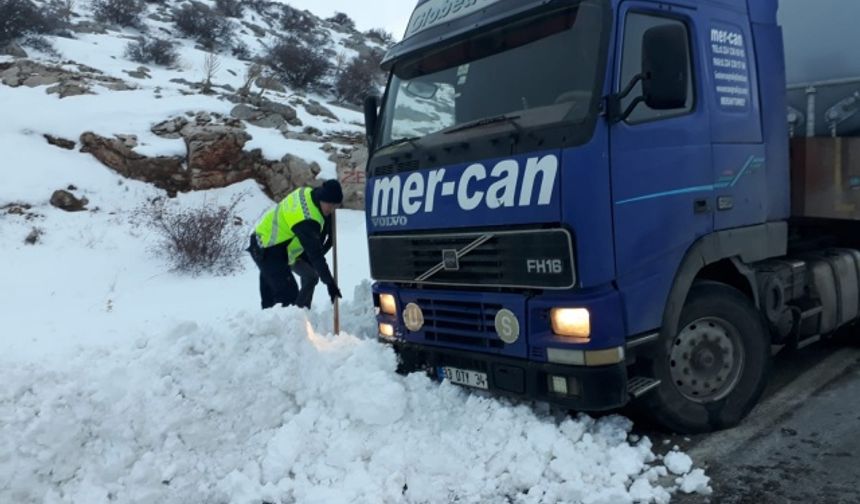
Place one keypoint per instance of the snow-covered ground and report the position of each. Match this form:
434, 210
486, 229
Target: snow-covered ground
257, 407
124, 382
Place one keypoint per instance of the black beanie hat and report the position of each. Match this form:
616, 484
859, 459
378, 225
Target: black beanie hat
331, 192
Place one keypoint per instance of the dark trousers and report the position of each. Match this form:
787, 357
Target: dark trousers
277, 284
309, 278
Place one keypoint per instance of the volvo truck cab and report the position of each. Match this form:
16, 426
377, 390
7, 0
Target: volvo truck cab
588, 202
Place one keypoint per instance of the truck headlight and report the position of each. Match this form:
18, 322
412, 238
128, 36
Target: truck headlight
386, 331
571, 322
387, 304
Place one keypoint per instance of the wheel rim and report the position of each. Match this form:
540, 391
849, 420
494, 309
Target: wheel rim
706, 360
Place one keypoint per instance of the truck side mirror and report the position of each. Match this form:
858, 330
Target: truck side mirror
425, 90
666, 67
371, 119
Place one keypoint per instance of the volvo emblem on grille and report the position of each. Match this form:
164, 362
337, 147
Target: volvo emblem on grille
451, 260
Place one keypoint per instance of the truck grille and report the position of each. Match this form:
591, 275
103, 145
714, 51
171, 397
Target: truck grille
466, 320
395, 168
461, 323
516, 259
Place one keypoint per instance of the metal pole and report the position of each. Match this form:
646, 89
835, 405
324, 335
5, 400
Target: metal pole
810, 111
334, 261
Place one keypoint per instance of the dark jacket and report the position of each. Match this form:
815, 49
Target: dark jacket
315, 243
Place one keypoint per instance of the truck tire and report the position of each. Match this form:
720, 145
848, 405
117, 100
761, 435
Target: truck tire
713, 370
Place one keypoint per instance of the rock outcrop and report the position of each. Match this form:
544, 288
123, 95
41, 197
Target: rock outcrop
215, 158
281, 178
317, 109
62, 82
60, 142
13, 49
64, 200
167, 173
263, 112
351, 171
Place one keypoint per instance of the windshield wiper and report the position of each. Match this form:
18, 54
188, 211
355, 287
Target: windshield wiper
512, 119
409, 140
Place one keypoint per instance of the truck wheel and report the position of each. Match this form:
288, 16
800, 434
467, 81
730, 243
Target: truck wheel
714, 369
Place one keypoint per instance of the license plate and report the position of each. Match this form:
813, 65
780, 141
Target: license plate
464, 377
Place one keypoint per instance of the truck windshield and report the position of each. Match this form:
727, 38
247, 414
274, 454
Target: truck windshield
539, 70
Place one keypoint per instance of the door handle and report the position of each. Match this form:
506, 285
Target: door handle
701, 206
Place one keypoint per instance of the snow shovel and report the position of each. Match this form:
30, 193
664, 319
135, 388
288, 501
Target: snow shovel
334, 272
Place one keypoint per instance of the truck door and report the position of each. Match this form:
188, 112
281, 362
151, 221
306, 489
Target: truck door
662, 176
743, 197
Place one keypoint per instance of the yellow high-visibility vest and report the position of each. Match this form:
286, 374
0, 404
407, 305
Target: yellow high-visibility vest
276, 225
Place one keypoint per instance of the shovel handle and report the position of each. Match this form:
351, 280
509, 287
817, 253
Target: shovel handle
334, 272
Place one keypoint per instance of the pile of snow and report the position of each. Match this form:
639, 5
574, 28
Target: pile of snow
259, 408
678, 463
690, 480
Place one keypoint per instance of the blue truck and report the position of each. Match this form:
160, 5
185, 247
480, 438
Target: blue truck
593, 202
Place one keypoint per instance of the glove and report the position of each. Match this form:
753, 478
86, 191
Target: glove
334, 292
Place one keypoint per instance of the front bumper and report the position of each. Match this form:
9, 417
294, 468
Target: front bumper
592, 388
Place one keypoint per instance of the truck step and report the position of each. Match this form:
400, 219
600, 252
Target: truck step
813, 312
638, 386
808, 341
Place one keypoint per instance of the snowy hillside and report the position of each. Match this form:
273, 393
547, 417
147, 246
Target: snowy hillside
125, 381
249, 81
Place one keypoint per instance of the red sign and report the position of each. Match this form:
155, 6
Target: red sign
353, 176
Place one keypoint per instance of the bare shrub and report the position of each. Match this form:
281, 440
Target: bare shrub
240, 50
197, 240
152, 51
266, 74
211, 65
358, 79
121, 12
381, 36
342, 19
340, 62
65, 9
23, 17
300, 66
252, 73
198, 21
35, 236
259, 6
41, 44
229, 8
296, 21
